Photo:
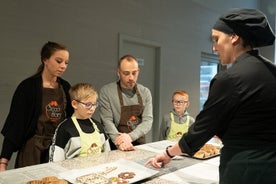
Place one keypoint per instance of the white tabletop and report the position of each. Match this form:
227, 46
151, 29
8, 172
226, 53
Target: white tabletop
179, 170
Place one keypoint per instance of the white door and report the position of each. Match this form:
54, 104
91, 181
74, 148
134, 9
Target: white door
148, 56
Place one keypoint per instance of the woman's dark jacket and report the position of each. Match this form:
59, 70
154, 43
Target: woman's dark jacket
24, 112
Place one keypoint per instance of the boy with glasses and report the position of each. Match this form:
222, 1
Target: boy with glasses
177, 122
80, 135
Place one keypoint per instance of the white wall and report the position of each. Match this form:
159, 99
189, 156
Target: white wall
90, 29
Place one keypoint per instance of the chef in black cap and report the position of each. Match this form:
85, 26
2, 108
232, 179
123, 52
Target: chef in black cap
241, 105
250, 24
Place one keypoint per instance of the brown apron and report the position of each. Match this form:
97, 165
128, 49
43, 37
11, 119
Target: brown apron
36, 149
131, 115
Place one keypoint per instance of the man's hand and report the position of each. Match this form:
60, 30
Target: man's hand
126, 147
122, 138
124, 142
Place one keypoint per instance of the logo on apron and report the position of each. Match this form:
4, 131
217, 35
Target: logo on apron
93, 149
132, 123
53, 111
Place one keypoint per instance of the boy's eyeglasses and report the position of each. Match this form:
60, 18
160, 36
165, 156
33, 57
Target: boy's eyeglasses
179, 102
89, 105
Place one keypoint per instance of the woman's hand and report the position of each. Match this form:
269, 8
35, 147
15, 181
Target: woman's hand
164, 158
3, 164
3, 167
159, 161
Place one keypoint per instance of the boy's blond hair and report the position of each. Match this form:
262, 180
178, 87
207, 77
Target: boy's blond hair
82, 91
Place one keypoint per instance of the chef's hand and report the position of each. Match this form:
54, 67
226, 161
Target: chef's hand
3, 167
3, 164
164, 158
159, 161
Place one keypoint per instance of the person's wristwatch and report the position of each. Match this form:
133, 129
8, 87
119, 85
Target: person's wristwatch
168, 153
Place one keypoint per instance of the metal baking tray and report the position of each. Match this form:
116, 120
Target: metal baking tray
205, 158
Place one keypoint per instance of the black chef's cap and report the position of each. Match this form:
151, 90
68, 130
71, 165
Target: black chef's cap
250, 24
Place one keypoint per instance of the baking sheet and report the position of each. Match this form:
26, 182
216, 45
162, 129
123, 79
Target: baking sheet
214, 141
122, 165
205, 158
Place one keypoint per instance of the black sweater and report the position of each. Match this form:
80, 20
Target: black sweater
24, 112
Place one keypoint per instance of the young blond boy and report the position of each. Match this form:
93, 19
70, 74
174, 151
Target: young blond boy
80, 135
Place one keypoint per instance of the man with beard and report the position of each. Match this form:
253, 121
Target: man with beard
126, 107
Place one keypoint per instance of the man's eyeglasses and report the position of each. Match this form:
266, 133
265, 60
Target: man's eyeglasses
89, 105
179, 102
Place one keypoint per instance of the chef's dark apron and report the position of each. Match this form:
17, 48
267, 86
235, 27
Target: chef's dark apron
36, 149
247, 166
127, 112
